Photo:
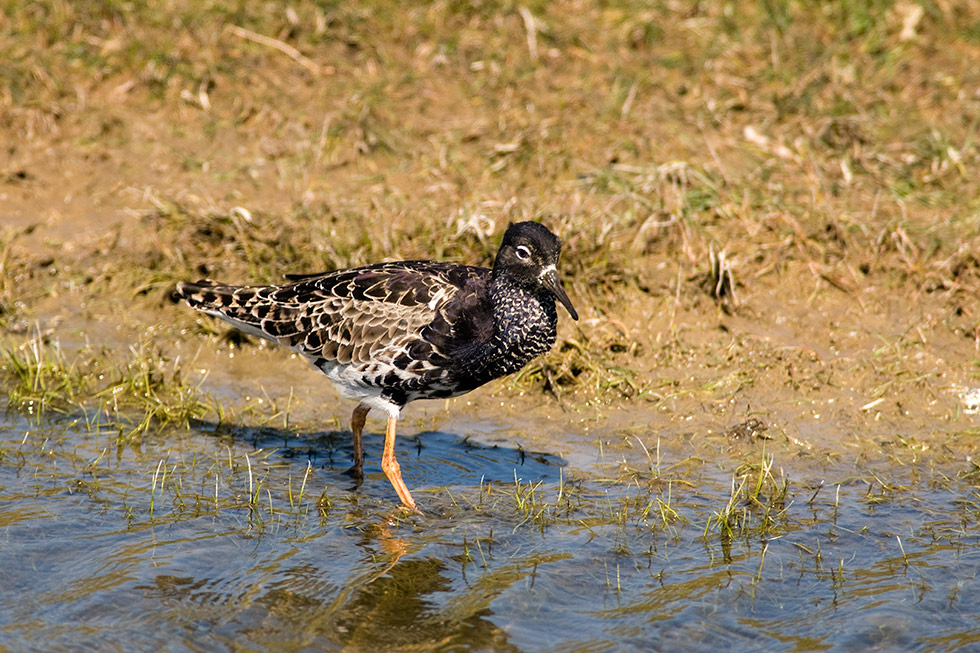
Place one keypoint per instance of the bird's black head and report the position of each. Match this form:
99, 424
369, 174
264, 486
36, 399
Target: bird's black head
528, 255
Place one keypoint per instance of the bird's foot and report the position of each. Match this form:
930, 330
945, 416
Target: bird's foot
356, 472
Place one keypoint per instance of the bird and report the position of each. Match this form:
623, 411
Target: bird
391, 333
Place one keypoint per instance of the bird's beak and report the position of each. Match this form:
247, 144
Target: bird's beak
551, 281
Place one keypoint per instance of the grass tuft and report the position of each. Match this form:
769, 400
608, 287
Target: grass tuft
146, 393
41, 379
756, 505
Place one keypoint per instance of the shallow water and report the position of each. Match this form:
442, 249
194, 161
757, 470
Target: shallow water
207, 539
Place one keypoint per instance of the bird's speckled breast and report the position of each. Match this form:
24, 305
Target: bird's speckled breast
525, 326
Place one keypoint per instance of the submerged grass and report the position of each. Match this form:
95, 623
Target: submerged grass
41, 379
201, 515
146, 393
154, 391
756, 506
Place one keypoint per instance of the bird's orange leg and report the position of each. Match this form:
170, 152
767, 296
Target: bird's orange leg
392, 469
357, 427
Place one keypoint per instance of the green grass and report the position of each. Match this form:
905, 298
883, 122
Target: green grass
40, 378
756, 506
143, 394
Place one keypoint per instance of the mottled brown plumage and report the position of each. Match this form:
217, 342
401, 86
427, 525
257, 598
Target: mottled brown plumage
391, 333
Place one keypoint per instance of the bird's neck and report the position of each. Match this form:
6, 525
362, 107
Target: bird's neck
522, 319
524, 326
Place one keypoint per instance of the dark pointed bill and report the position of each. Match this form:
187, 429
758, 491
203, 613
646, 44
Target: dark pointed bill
551, 281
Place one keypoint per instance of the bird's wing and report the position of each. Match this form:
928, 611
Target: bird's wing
354, 316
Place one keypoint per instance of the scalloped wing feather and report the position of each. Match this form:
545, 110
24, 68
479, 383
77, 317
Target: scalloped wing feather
371, 316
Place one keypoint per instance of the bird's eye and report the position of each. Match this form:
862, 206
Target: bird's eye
523, 252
